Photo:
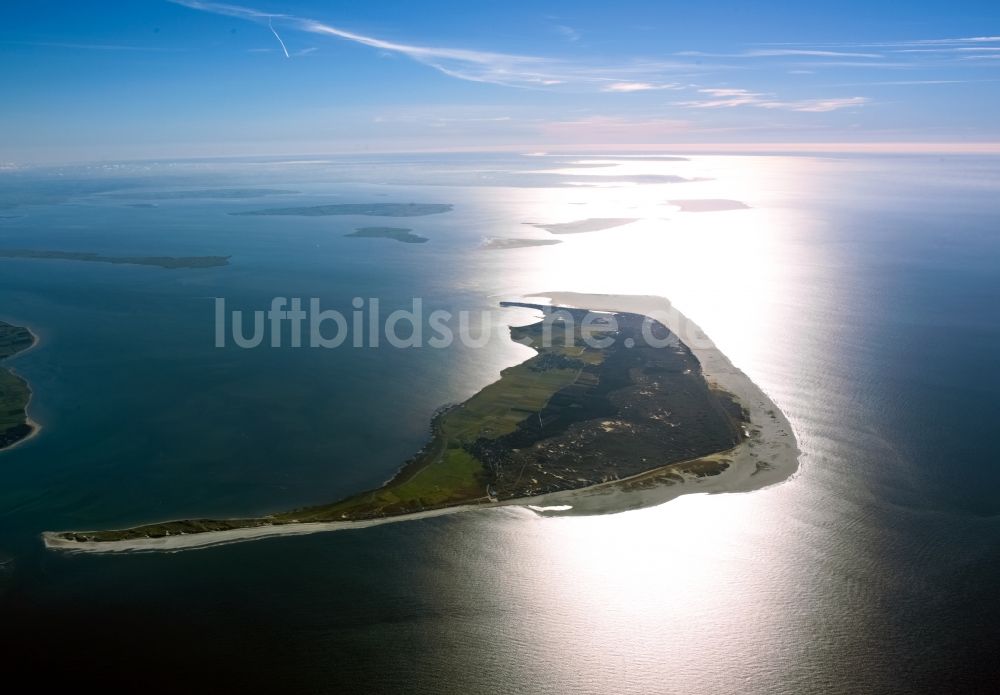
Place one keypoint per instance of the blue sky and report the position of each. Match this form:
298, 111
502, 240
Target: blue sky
153, 78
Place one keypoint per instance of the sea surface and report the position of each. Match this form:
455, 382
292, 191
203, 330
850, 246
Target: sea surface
861, 293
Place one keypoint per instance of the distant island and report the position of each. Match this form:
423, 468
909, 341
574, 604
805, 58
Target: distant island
576, 429
367, 209
628, 179
708, 205
398, 233
15, 425
496, 243
593, 224
215, 193
170, 262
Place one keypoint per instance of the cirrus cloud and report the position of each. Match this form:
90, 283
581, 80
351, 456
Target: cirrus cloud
723, 98
637, 87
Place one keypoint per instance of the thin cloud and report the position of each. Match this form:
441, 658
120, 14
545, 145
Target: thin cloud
535, 72
859, 64
906, 83
775, 53
781, 53
915, 43
972, 39
567, 32
951, 49
725, 98
636, 87
815, 105
476, 66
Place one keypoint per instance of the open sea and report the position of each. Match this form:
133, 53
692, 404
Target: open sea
861, 293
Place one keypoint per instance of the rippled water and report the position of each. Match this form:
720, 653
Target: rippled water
860, 293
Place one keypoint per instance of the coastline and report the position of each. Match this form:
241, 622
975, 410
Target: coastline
769, 455
35, 431
36, 428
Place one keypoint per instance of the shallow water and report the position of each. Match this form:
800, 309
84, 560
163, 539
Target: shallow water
860, 293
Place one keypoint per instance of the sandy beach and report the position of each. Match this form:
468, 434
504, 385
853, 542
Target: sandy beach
768, 456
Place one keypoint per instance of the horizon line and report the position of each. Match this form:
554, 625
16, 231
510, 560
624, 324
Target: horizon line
900, 147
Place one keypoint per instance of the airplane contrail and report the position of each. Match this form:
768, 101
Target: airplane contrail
271, 27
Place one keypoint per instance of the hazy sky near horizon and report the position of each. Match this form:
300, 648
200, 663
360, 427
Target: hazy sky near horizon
88, 80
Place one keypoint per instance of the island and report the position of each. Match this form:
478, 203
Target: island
365, 209
169, 262
593, 224
708, 205
15, 425
577, 428
588, 179
398, 233
211, 193
516, 243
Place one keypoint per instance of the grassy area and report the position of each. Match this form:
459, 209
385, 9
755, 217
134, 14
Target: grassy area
452, 477
498, 408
